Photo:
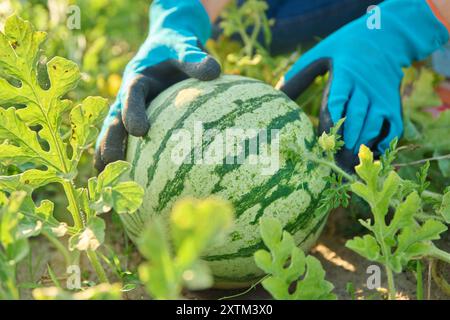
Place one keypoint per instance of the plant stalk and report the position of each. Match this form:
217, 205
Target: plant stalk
419, 279
334, 167
60, 247
440, 254
433, 195
101, 274
391, 283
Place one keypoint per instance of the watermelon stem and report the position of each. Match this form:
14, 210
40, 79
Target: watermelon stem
333, 166
440, 254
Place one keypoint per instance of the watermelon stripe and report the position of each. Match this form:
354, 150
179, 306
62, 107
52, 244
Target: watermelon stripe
173, 188
300, 223
221, 88
153, 117
258, 194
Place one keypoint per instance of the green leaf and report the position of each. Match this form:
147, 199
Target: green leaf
368, 169
14, 229
271, 231
404, 214
19, 46
125, 197
314, 286
286, 264
26, 146
435, 131
198, 224
277, 288
112, 173
107, 191
429, 231
159, 275
263, 260
366, 246
84, 118
423, 93
38, 178
383, 198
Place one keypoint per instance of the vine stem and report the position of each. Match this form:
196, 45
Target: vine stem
433, 195
93, 258
419, 279
391, 284
350, 178
444, 157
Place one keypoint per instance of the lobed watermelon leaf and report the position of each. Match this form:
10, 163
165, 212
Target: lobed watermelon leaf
285, 264
35, 138
396, 242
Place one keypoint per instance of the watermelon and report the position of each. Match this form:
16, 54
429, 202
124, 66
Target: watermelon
202, 143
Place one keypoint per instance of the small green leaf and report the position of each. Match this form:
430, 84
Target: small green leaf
195, 225
271, 231
366, 246
314, 286
112, 173
286, 264
125, 197
84, 118
263, 260
404, 215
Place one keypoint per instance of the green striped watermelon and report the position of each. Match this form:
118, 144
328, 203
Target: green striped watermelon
218, 109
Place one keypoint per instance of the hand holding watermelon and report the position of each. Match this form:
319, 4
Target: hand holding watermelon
172, 52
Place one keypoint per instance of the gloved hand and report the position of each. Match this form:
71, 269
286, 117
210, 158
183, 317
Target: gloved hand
365, 73
172, 52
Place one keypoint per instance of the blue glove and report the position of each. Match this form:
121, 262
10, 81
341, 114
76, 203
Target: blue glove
365, 73
172, 52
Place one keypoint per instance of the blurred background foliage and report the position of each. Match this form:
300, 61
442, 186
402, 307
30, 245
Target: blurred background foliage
111, 31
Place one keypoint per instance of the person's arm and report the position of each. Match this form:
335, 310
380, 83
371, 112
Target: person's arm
214, 8
441, 9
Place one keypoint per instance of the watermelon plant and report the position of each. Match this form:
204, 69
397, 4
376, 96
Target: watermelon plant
286, 263
403, 238
35, 140
28, 181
